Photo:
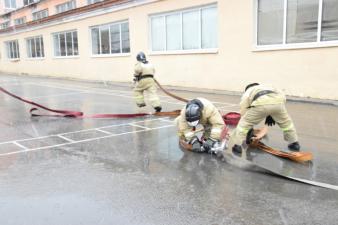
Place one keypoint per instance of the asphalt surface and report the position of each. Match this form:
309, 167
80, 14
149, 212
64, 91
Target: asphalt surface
131, 171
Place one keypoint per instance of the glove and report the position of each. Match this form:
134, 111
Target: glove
136, 78
270, 121
249, 136
196, 145
208, 144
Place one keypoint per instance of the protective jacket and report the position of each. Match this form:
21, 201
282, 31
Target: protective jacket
211, 120
144, 73
142, 69
259, 102
252, 97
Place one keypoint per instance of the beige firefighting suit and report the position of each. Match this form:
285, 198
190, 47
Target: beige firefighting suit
253, 112
211, 120
145, 84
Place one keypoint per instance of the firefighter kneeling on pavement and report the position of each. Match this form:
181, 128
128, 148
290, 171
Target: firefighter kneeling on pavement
200, 111
261, 102
144, 76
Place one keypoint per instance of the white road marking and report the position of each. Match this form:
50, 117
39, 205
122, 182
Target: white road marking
73, 132
81, 141
103, 131
65, 138
135, 125
20, 145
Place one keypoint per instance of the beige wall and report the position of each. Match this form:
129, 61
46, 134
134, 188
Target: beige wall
301, 72
47, 4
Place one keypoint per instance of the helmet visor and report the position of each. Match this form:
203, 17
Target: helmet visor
193, 123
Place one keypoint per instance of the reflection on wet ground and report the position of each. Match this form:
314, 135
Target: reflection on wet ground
132, 171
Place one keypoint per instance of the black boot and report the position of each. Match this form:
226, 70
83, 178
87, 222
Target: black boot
237, 150
294, 146
158, 108
141, 105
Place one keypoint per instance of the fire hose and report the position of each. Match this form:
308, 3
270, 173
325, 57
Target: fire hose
79, 114
231, 118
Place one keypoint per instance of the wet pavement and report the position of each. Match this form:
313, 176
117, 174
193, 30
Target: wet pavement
132, 171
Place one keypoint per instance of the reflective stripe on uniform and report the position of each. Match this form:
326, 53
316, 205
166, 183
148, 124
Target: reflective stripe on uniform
242, 130
266, 100
153, 98
189, 134
216, 130
290, 127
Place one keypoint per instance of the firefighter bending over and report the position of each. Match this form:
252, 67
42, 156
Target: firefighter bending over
263, 102
200, 111
144, 76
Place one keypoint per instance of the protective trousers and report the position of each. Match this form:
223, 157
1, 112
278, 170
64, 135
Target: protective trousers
148, 85
256, 114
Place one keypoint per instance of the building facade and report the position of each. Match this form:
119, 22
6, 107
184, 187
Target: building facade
213, 44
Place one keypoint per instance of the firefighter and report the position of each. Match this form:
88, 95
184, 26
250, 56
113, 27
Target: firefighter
200, 111
261, 102
144, 77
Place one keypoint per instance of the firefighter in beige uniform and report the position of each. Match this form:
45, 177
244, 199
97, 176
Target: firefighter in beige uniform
144, 76
200, 111
259, 102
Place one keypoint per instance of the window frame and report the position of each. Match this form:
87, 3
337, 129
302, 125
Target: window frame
90, 2
66, 4
11, 6
42, 48
29, 2
5, 25
64, 33
200, 50
40, 11
317, 44
110, 54
8, 45
23, 18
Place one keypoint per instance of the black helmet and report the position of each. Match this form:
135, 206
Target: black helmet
141, 57
193, 110
251, 85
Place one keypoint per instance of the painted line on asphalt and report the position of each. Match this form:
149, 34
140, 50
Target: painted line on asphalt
103, 131
143, 127
20, 145
73, 132
65, 138
81, 141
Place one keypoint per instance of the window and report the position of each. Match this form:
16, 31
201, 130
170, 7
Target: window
19, 21
40, 14
13, 49
28, 2
10, 4
270, 22
283, 22
185, 30
110, 38
65, 6
4, 25
93, 1
35, 47
329, 31
66, 44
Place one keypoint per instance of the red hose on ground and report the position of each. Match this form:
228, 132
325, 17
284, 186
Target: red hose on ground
78, 114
